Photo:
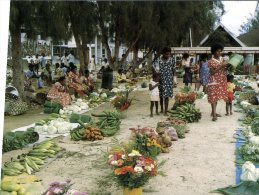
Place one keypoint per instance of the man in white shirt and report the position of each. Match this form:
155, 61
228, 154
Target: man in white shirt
64, 59
71, 57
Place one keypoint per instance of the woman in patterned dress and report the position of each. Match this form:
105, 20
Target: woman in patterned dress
217, 86
59, 93
166, 68
74, 81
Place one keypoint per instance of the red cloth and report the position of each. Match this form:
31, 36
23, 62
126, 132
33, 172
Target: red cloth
217, 87
230, 97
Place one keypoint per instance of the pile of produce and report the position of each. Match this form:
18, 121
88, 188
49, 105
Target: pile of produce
74, 118
86, 133
144, 85
109, 122
249, 96
183, 98
12, 188
163, 139
250, 152
186, 112
51, 107
95, 101
16, 106
199, 94
54, 126
76, 107
19, 139
255, 126
32, 161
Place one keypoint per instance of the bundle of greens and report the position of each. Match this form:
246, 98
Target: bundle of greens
74, 118
51, 107
19, 139
249, 152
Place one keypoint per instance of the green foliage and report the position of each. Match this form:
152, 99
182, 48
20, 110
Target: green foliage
251, 23
245, 187
249, 152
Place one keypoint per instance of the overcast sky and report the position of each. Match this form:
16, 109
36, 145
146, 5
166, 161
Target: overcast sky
236, 13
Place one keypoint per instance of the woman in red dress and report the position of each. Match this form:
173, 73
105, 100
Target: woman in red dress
59, 93
74, 81
217, 87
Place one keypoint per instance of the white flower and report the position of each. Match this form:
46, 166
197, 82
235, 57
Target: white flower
123, 156
110, 155
134, 153
148, 168
152, 166
138, 169
58, 190
114, 162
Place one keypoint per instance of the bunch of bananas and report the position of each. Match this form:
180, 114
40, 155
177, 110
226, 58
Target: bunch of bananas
33, 160
77, 134
109, 122
248, 120
186, 112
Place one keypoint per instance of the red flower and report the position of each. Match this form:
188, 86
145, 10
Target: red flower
124, 170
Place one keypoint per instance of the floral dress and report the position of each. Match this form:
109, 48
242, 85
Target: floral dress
204, 74
166, 69
58, 93
75, 83
217, 86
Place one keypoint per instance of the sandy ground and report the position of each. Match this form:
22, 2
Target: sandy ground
201, 162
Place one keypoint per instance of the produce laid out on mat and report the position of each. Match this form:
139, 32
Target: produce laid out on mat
247, 144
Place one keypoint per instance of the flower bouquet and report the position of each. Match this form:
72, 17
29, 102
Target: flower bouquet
62, 188
131, 170
122, 101
145, 140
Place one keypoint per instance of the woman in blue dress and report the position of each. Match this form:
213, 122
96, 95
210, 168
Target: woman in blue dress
204, 71
166, 69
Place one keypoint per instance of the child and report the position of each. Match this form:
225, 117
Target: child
154, 93
230, 90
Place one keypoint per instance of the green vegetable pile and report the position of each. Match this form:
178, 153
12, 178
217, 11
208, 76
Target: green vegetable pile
186, 112
249, 152
109, 122
51, 107
19, 139
74, 118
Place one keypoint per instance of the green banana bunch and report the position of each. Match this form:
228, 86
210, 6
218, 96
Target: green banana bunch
186, 112
77, 134
109, 122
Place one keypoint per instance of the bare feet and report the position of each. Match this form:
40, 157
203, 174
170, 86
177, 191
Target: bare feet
227, 114
151, 115
231, 113
218, 115
214, 118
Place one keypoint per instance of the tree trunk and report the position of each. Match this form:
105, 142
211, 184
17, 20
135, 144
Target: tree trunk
116, 52
85, 52
135, 55
80, 52
17, 66
149, 58
141, 61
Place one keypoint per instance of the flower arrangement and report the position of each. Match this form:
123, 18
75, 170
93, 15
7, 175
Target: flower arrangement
62, 188
131, 169
145, 141
183, 98
122, 101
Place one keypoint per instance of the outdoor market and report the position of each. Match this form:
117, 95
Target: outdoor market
130, 97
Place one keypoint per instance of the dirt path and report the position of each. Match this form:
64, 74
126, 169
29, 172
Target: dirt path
201, 162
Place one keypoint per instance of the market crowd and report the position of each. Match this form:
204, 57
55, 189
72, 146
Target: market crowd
210, 72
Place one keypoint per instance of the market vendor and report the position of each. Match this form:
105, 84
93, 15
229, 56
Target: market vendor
74, 81
121, 78
59, 92
87, 82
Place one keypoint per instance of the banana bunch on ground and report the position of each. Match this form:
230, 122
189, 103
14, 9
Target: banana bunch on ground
109, 122
12, 188
186, 112
77, 134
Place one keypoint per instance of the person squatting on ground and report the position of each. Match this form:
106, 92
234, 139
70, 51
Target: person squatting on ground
154, 93
166, 69
230, 89
217, 87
